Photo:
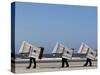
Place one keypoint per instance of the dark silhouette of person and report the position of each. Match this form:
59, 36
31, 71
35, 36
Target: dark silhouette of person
65, 61
31, 59
88, 61
34, 59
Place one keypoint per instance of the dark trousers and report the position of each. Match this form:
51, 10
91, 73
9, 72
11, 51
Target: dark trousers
34, 61
88, 61
65, 61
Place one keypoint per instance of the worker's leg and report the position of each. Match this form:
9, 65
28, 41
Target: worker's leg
29, 63
34, 61
90, 62
62, 62
87, 60
67, 65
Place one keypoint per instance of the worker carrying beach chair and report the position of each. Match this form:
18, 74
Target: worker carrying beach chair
90, 55
32, 52
66, 53
89, 52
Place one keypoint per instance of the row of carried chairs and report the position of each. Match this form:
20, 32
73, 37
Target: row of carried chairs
34, 53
